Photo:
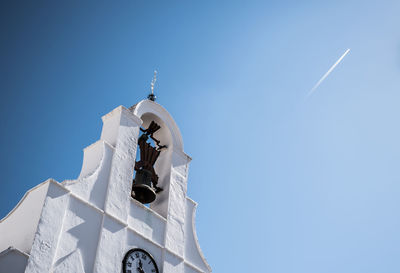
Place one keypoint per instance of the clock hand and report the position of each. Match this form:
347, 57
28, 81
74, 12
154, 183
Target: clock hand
140, 267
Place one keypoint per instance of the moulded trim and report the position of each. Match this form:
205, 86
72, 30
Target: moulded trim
196, 240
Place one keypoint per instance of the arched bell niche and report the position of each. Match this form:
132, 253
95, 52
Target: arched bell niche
162, 165
171, 159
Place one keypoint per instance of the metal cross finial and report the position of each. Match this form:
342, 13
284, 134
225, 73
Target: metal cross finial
151, 96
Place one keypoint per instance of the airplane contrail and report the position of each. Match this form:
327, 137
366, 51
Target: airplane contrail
328, 72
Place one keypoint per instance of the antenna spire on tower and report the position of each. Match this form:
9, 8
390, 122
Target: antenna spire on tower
151, 96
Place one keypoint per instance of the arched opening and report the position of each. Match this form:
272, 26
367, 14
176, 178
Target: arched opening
161, 147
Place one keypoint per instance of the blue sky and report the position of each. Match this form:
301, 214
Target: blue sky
285, 183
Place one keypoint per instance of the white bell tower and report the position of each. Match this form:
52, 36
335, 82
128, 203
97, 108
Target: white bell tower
92, 224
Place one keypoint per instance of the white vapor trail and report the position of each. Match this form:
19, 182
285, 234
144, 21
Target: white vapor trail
328, 72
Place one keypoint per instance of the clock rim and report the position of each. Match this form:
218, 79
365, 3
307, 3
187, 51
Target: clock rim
142, 250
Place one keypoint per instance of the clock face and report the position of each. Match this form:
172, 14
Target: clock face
139, 261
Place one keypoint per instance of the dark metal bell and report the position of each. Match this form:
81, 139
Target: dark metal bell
142, 189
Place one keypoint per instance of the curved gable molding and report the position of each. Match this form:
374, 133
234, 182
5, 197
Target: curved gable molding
92, 158
92, 183
192, 247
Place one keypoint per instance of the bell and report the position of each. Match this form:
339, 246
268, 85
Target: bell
142, 189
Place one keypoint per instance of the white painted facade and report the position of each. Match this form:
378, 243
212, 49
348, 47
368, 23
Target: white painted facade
89, 224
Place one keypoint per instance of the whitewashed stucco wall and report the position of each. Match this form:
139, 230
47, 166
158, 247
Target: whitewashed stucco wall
88, 224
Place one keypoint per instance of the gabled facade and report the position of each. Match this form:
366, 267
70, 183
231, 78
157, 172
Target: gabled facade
91, 223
